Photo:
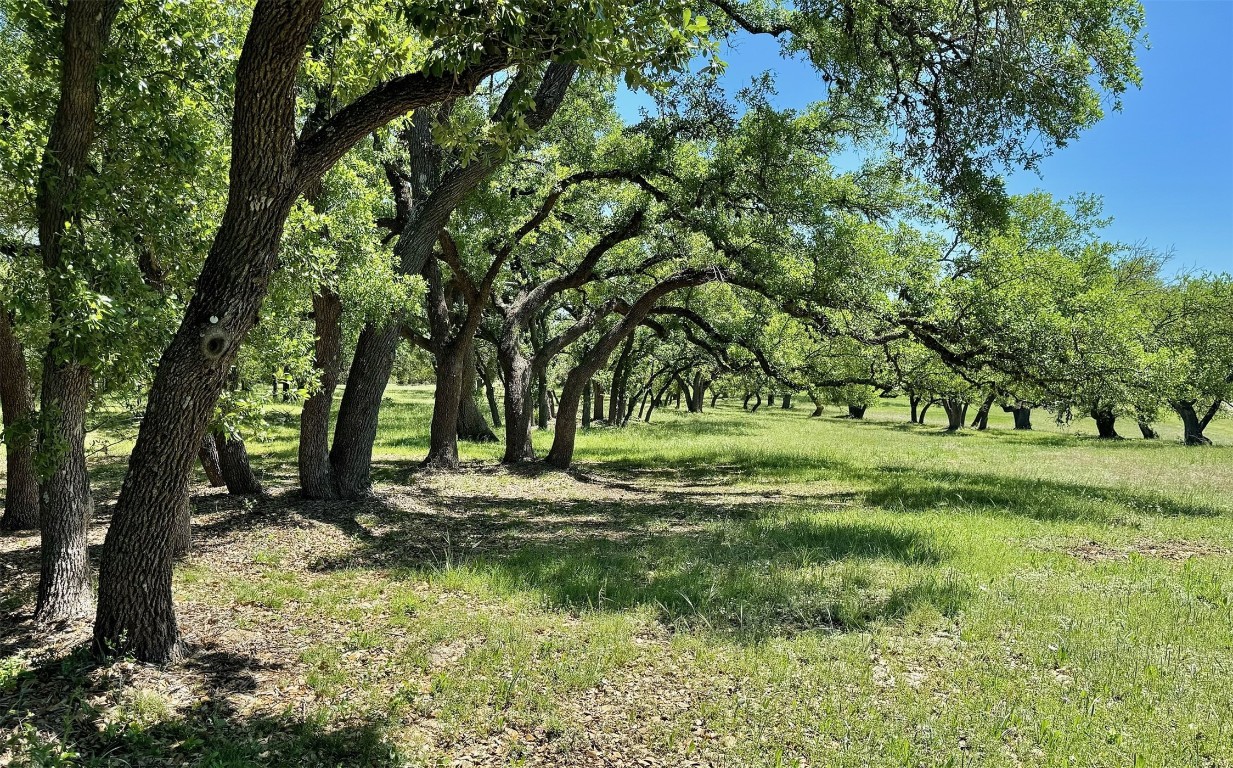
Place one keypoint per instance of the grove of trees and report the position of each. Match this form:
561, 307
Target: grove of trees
209, 207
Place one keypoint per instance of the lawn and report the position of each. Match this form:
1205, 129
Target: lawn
722, 589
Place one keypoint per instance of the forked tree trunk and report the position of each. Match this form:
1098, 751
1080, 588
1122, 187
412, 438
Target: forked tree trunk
955, 411
1192, 424
316, 475
210, 463
914, 403
1105, 424
21, 492
981, 422
237, 470
856, 411
1148, 431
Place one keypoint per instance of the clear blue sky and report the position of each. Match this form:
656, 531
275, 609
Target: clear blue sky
1164, 164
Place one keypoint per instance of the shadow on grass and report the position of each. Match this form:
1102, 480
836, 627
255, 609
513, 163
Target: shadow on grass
102, 712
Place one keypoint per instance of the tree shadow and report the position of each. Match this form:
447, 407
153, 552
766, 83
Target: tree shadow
117, 713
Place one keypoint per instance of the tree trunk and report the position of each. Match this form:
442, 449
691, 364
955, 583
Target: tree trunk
182, 532
714, 397
925, 409
471, 424
517, 369
787, 401
856, 411
954, 413
1192, 425
541, 399
699, 392
981, 422
237, 471
597, 400
586, 408
487, 374
757, 402
358, 413
316, 476
208, 456
1105, 420
443, 431
21, 492
914, 402
770, 399
64, 583
1149, 432
1022, 415
552, 404
745, 402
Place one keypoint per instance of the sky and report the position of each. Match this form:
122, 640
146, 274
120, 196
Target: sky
1164, 164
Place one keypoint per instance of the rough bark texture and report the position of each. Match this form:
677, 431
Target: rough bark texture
21, 492
316, 475
356, 430
66, 505
208, 456
956, 410
597, 401
237, 471
64, 582
517, 370
182, 533
443, 431
487, 373
269, 171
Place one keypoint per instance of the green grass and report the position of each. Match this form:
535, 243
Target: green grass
736, 589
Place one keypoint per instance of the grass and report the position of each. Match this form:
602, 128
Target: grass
723, 589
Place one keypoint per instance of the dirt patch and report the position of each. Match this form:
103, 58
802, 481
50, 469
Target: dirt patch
1173, 551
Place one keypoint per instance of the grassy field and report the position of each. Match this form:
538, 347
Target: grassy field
725, 589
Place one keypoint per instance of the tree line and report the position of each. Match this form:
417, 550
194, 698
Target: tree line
210, 207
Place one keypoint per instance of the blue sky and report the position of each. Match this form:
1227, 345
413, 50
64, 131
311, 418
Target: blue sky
1164, 164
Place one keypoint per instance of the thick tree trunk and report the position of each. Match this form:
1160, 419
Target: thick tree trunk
360, 409
1148, 432
182, 532
210, 462
981, 422
1105, 421
770, 399
443, 431
955, 410
856, 411
21, 492
316, 475
64, 583
787, 401
517, 369
471, 423
1022, 415
237, 470
1192, 425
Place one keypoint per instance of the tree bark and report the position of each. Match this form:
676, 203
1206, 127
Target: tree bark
770, 399
237, 471
914, 403
1105, 423
316, 475
66, 505
757, 402
1022, 415
21, 492
358, 413
981, 422
471, 423
1192, 424
210, 462
856, 411
786, 403
1148, 431
490, 392
597, 401
955, 410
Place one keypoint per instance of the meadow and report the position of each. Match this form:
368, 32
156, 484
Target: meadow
724, 589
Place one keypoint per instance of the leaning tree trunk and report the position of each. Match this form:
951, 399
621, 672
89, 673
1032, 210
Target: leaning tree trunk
1105, 420
1192, 425
21, 492
817, 404
981, 422
64, 583
714, 397
757, 402
237, 470
471, 423
210, 462
316, 475
1148, 431
856, 411
358, 413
